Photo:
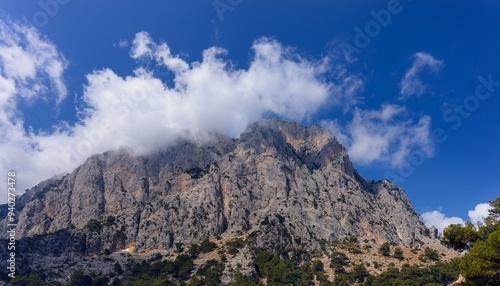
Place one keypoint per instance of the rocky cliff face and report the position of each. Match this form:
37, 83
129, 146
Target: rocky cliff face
283, 185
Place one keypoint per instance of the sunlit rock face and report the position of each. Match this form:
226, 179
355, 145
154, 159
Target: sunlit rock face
283, 185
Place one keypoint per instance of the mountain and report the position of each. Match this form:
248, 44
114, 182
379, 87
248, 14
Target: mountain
280, 186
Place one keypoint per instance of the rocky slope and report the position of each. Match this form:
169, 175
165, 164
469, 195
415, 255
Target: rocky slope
282, 185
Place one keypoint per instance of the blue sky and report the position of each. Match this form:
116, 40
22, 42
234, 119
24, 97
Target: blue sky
382, 75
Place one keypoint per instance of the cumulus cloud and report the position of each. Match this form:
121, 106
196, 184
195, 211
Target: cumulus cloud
441, 221
479, 213
29, 63
411, 84
386, 136
31, 69
141, 113
142, 45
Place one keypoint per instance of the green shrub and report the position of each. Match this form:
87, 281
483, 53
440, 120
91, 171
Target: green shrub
158, 273
355, 250
179, 246
29, 279
440, 273
385, 249
208, 274
234, 245
282, 271
207, 246
317, 266
110, 220
243, 280
338, 261
94, 225
359, 272
79, 278
194, 250
431, 254
398, 253
117, 268
481, 266
427, 232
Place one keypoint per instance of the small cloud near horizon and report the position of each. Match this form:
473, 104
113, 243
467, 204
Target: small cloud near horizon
441, 221
479, 213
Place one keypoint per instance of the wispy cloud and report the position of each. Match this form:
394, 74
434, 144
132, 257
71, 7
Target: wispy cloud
386, 136
140, 112
411, 84
123, 43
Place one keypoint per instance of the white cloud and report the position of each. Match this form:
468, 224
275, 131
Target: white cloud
123, 43
386, 136
30, 62
479, 213
411, 84
31, 69
439, 220
139, 112
142, 45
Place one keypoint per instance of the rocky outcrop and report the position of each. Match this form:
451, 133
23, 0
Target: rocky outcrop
282, 184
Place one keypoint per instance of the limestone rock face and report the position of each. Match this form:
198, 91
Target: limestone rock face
282, 184
434, 232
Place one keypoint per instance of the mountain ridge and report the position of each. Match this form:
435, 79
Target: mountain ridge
282, 185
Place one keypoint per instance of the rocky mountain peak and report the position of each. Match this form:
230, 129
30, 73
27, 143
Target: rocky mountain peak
282, 185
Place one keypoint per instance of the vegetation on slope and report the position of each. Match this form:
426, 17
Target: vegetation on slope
348, 262
481, 265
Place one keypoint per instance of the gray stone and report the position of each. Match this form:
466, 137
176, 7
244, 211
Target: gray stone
282, 184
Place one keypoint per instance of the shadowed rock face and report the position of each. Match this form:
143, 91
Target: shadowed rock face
283, 184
